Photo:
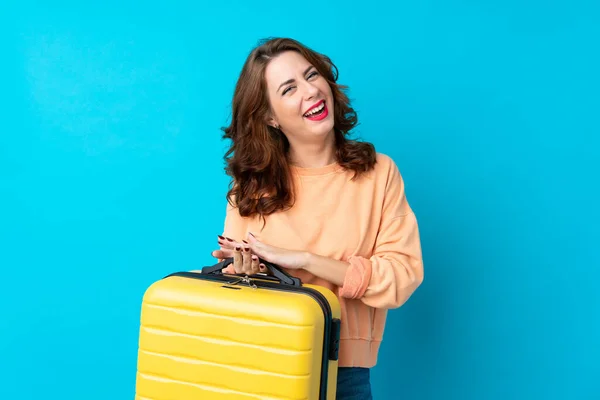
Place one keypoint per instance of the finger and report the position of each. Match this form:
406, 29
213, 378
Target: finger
263, 268
237, 260
227, 243
229, 269
247, 261
257, 247
221, 254
252, 239
255, 264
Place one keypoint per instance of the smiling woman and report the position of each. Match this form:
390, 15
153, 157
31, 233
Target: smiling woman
296, 113
330, 210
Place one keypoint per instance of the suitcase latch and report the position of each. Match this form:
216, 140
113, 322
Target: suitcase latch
244, 279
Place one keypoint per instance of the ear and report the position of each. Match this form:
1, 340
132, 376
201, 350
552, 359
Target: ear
272, 122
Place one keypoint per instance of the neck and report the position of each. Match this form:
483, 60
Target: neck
313, 154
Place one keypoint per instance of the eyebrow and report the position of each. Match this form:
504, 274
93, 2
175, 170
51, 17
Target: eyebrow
292, 80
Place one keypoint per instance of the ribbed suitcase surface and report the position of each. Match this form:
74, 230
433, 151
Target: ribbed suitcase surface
205, 336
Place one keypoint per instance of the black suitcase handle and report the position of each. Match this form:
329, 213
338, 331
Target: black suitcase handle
278, 274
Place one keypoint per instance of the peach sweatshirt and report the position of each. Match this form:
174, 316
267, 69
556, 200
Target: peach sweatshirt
367, 222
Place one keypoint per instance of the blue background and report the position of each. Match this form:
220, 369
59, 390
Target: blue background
111, 176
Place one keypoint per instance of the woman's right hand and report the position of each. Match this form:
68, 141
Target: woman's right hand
244, 262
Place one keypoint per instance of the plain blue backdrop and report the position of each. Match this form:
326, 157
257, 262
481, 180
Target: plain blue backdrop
111, 177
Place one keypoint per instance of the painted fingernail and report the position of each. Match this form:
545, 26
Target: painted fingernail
231, 240
220, 237
254, 258
246, 249
237, 248
244, 241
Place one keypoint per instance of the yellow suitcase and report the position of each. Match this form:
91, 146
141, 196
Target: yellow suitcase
208, 335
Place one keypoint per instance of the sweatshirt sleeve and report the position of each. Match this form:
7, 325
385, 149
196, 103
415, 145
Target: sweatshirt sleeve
395, 269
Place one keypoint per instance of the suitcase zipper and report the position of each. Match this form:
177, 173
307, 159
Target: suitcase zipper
331, 334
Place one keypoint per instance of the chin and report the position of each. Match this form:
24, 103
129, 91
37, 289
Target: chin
324, 128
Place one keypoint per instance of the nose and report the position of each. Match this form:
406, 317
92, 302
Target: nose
310, 91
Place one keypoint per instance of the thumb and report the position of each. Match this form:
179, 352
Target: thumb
222, 254
252, 239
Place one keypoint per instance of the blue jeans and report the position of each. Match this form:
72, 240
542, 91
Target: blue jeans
354, 384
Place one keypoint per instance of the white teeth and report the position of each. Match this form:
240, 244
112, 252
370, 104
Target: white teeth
315, 110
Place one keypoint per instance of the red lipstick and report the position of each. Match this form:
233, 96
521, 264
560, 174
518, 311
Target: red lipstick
317, 112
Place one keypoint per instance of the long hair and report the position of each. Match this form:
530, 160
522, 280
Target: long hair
257, 160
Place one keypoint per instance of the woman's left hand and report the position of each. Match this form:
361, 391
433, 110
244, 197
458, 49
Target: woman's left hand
290, 259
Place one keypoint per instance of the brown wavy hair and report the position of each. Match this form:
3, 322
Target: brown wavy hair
257, 160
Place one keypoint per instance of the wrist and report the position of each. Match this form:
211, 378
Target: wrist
307, 261
326, 268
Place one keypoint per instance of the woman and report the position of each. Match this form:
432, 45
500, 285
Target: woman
329, 210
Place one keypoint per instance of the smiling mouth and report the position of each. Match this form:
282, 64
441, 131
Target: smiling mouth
318, 112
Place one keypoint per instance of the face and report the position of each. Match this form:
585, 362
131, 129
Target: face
301, 99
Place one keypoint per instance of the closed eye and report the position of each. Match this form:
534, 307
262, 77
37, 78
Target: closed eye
310, 76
